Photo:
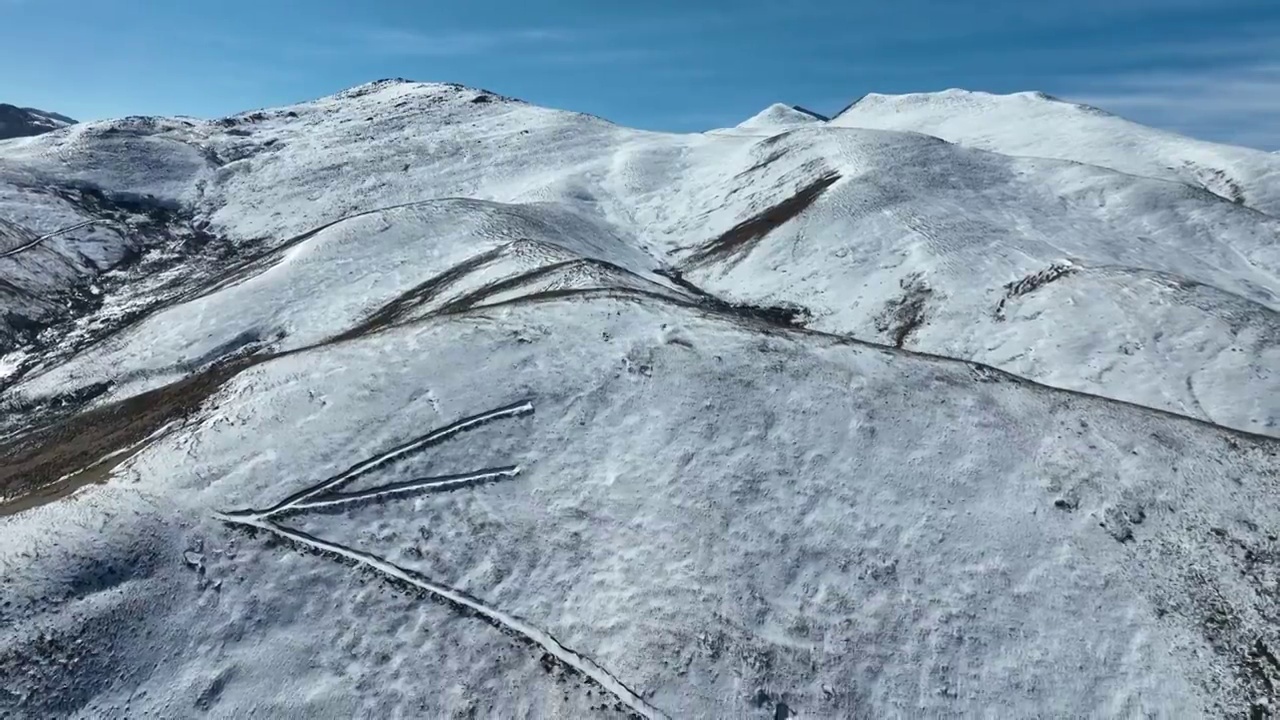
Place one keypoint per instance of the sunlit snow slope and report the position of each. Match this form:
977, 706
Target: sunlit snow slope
569, 419
1037, 125
891, 237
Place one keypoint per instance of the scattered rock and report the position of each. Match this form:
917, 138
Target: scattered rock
905, 314
1033, 282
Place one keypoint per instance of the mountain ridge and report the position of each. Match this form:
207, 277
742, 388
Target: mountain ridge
205, 147
1039, 125
18, 122
791, 419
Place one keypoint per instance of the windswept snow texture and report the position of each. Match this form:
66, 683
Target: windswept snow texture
421, 401
722, 518
1036, 125
904, 210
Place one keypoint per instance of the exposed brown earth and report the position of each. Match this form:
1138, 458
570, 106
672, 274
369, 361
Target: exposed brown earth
740, 239
53, 461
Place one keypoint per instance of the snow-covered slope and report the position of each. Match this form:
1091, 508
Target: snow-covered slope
419, 258
887, 209
1037, 125
930, 245
720, 517
668, 499
18, 122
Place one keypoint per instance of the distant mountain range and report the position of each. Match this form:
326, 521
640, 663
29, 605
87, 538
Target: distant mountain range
24, 122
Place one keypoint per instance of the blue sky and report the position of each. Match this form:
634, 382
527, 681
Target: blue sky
1210, 68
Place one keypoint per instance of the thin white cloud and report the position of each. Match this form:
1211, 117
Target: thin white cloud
458, 43
1237, 103
613, 55
532, 46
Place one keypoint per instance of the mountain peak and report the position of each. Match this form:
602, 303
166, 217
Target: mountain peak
402, 87
587, 418
779, 115
18, 122
959, 98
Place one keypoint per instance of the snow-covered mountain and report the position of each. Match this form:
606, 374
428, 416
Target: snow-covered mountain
25, 122
898, 238
1033, 124
775, 119
791, 418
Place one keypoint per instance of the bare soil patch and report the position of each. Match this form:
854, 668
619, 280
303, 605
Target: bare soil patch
739, 240
55, 460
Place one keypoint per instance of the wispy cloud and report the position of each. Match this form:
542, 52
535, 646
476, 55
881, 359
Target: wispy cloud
1235, 101
457, 43
537, 46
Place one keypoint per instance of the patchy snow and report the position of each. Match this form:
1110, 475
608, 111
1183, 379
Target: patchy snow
578, 457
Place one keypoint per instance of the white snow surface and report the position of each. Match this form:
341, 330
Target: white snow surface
702, 513
705, 510
906, 206
1037, 125
772, 120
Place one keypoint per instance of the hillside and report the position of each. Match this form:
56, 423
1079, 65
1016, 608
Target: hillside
574, 420
1037, 125
887, 212
18, 122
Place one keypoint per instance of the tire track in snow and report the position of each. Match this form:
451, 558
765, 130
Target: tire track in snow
46, 236
443, 483
322, 495
354, 472
575, 660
